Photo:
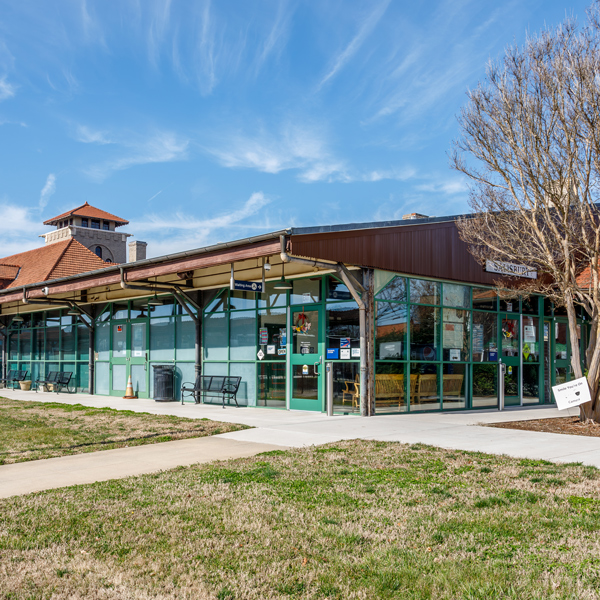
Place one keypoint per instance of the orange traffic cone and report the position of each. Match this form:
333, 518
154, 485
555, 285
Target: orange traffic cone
129, 391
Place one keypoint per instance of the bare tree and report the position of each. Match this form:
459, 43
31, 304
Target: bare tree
530, 145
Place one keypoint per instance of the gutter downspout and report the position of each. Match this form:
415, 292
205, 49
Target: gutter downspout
345, 276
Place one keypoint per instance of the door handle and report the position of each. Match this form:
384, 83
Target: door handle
317, 364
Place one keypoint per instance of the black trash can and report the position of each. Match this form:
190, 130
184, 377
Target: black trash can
163, 383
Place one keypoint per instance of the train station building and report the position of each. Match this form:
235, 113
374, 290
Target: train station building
400, 311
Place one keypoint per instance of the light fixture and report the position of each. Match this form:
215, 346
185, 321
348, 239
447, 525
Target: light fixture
154, 301
74, 312
267, 265
282, 284
18, 318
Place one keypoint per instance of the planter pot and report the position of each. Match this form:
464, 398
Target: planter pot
47, 387
25, 385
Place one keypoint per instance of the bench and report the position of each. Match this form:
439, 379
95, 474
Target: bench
215, 386
14, 376
58, 379
389, 389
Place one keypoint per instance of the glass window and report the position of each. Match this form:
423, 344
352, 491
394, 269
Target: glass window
272, 326
391, 325
343, 329
218, 303
530, 305
52, 343
561, 334
485, 385
390, 387
454, 382
305, 331
119, 342
37, 319
531, 384
120, 310
424, 332
426, 395
25, 348
531, 344
337, 290
105, 226
138, 339
216, 341
346, 387
510, 337
457, 295
53, 318
186, 338
101, 378
37, 344
395, 290
95, 224
306, 291
381, 279
83, 342
84, 222
68, 342
98, 251
162, 338
242, 335
103, 342
424, 292
247, 391
272, 297
13, 346
271, 384
509, 305
105, 314
166, 309
485, 337
139, 308
242, 300
455, 334
485, 299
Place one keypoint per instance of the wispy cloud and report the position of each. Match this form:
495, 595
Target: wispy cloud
181, 231
22, 234
352, 48
47, 191
160, 147
87, 135
7, 90
448, 186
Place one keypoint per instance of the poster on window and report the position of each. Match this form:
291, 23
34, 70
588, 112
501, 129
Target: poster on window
453, 335
344, 353
271, 349
529, 333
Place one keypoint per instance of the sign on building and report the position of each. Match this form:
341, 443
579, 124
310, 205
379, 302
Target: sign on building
248, 286
511, 269
572, 393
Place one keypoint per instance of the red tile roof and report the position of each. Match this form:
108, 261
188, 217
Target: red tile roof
584, 279
86, 210
52, 261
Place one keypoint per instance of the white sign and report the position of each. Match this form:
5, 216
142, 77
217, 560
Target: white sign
454, 354
355, 352
345, 353
260, 354
572, 393
529, 334
271, 349
512, 269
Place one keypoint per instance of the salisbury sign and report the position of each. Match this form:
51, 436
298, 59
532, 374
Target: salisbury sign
572, 393
512, 269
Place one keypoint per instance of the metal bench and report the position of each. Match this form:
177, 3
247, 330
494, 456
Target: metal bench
50, 379
216, 386
62, 381
14, 376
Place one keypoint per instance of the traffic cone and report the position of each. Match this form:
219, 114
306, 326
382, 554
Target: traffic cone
129, 391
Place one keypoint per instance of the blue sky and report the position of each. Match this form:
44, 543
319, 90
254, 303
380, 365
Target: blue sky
203, 121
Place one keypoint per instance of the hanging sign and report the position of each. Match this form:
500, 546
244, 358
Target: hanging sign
263, 336
248, 286
572, 393
512, 269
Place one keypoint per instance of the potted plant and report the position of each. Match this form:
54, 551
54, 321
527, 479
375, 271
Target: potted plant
25, 385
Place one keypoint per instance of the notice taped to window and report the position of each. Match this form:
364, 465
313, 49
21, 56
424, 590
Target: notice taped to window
572, 393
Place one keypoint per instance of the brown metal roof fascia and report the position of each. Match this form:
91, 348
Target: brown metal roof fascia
426, 250
210, 256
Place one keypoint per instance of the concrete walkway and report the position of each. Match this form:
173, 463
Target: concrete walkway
280, 428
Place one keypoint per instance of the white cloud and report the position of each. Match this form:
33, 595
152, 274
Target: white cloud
161, 147
47, 191
180, 231
352, 48
446, 186
22, 234
86, 135
7, 90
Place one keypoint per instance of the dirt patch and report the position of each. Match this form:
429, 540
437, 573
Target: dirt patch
568, 425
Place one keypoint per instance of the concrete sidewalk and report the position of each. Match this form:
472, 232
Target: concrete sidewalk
51, 473
281, 428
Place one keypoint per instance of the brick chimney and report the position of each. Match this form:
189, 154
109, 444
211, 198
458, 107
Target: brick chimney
137, 251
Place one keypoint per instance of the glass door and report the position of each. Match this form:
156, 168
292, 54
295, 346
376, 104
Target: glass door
307, 359
118, 365
561, 352
138, 361
511, 356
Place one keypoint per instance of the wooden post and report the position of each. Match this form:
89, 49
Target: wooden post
368, 282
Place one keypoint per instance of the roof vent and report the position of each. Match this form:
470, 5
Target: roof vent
412, 216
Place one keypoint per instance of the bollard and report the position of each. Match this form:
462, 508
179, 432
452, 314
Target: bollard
501, 372
329, 373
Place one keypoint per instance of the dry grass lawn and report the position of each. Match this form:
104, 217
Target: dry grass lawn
35, 430
356, 519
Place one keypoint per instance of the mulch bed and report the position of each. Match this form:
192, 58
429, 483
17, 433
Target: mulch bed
568, 425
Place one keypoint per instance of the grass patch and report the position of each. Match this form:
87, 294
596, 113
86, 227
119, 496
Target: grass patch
35, 430
372, 521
